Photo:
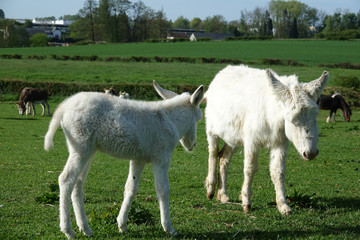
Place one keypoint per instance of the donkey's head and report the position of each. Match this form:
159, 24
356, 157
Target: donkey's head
21, 107
301, 110
344, 106
188, 140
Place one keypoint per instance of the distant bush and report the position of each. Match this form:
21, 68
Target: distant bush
280, 62
249, 38
84, 42
341, 35
341, 65
39, 40
11, 56
348, 82
204, 39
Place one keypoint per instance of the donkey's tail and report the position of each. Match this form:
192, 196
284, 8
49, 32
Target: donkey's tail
54, 124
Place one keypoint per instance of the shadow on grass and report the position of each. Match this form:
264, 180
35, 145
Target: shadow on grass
21, 119
259, 234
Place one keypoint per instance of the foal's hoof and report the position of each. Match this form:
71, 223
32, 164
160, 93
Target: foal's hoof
70, 234
86, 231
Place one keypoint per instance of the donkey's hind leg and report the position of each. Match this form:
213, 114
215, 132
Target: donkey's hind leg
68, 178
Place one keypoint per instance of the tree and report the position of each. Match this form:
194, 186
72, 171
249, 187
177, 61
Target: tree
294, 31
88, 12
181, 23
196, 23
2, 14
39, 40
12, 35
216, 24
283, 13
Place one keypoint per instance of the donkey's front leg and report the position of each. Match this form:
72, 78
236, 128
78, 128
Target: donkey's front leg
160, 170
277, 172
250, 168
131, 187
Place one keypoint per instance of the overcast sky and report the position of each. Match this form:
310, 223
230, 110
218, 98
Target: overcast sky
230, 9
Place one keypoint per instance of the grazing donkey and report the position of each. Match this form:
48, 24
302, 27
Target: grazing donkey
29, 96
334, 102
257, 108
145, 132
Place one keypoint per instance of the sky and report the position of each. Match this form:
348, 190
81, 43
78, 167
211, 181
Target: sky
229, 9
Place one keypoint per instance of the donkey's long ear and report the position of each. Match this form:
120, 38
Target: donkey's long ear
315, 87
197, 96
280, 90
165, 94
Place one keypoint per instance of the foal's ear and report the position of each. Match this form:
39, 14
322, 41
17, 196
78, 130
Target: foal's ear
197, 96
280, 90
315, 87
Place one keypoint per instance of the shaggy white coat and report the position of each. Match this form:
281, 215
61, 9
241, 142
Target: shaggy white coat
257, 108
141, 131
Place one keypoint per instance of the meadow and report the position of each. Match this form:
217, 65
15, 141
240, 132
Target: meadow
324, 193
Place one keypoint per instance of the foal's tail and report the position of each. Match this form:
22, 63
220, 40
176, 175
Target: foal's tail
54, 124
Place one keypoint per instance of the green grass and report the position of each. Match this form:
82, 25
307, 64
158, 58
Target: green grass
324, 192
310, 52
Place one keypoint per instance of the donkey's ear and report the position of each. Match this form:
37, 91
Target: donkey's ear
315, 87
280, 90
165, 94
197, 96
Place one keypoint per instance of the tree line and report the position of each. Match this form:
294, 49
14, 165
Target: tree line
123, 21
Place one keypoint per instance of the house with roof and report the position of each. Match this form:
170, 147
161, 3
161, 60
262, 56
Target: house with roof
51, 32
213, 36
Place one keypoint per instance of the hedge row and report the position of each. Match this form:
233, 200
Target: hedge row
137, 91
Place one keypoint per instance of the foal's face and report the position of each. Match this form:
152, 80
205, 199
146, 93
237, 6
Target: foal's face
189, 140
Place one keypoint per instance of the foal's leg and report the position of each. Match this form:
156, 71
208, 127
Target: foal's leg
131, 187
77, 198
277, 172
160, 170
225, 156
210, 181
67, 179
250, 168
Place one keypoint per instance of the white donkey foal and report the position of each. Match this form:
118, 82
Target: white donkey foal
145, 132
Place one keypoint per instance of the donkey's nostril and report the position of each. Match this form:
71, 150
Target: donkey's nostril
310, 155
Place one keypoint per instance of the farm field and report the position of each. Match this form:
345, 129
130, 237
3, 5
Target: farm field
309, 52
324, 193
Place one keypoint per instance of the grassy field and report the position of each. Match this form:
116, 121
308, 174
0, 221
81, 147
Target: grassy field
324, 193
310, 52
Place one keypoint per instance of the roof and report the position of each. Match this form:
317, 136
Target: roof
213, 36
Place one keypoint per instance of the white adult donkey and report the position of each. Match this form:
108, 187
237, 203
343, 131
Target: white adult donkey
257, 108
145, 132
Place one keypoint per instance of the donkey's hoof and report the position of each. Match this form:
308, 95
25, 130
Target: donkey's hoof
247, 208
210, 196
223, 198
